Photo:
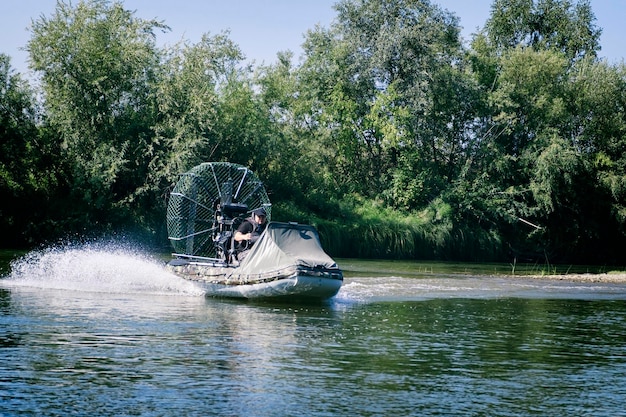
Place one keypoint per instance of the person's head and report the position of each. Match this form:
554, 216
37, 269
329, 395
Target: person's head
260, 215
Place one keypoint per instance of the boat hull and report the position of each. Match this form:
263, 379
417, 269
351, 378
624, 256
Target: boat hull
288, 283
298, 286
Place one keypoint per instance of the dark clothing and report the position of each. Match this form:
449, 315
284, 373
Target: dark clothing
250, 226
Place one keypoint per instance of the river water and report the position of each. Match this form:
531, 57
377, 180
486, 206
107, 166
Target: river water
104, 332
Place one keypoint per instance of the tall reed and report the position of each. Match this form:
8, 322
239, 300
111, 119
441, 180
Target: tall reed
369, 231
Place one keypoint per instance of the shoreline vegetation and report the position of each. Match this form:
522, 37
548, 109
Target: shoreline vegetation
618, 277
393, 136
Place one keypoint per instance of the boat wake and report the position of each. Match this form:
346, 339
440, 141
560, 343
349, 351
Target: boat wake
97, 268
119, 269
393, 288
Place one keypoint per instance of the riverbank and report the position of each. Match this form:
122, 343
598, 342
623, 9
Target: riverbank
611, 277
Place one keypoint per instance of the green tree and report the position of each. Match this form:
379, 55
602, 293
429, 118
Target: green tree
553, 110
563, 25
296, 163
188, 94
30, 164
97, 64
208, 110
17, 130
375, 82
597, 130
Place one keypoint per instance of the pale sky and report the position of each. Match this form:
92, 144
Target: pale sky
262, 28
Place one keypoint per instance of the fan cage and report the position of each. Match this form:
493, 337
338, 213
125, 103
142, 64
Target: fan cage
207, 204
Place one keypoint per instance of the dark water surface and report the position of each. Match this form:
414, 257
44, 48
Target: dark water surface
108, 333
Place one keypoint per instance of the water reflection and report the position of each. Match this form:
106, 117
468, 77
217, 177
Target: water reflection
162, 355
451, 345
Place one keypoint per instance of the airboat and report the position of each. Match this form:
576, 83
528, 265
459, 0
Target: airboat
205, 208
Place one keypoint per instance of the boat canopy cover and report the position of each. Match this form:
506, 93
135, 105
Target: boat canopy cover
284, 245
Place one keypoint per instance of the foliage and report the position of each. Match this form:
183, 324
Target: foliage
562, 25
17, 128
370, 80
98, 64
535, 74
390, 136
30, 163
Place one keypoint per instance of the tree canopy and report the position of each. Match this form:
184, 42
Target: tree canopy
390, 135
